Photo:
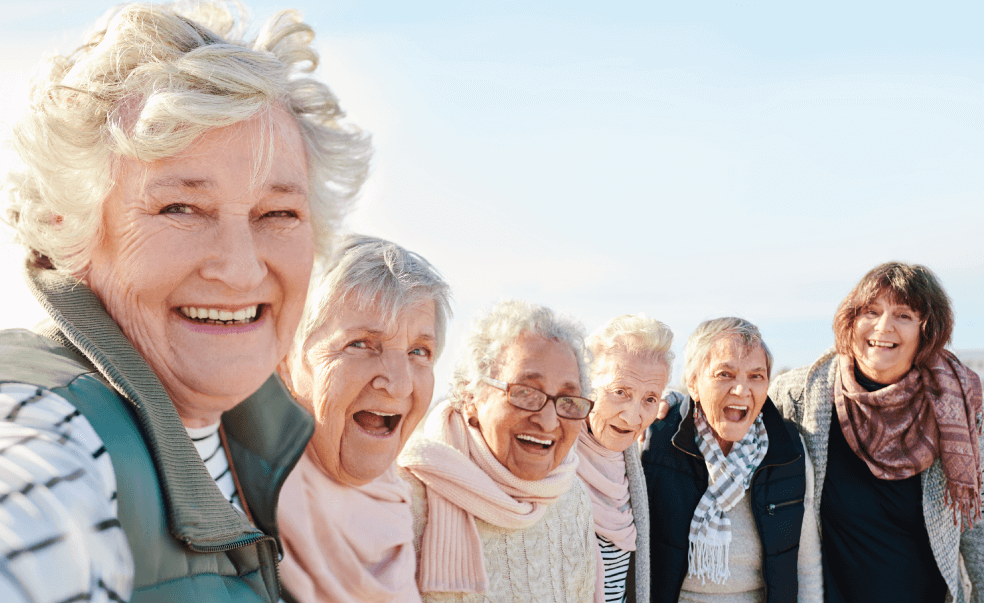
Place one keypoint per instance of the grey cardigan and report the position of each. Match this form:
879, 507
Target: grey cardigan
639, 499
806, 396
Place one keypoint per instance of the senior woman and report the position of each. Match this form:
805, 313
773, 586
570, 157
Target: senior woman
499, 514
177, 183
363, 365
632, 362
730, 485
892, 421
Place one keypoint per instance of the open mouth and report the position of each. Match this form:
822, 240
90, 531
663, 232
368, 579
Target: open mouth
621, 431
735, 413
882, 344
377, 422
219, 316
534, 442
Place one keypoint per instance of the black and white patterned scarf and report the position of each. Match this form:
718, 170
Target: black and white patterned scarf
729, 477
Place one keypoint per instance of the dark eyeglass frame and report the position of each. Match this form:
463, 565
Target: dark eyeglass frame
507, 387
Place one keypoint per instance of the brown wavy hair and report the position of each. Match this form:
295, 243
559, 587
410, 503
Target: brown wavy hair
911, 284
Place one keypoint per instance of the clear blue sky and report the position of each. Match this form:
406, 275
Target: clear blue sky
686, 160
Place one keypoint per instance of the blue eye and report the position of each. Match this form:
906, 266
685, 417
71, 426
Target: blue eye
421, 352
361, 345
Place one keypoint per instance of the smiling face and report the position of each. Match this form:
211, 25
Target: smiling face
885, 340
368, 383
205, 274
529, 444
629, 388
731, 389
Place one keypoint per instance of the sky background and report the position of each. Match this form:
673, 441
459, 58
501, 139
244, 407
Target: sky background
685, 160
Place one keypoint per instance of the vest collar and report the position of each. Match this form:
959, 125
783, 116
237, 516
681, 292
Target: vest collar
781, 448
198, 514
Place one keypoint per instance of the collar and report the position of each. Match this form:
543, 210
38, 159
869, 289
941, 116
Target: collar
197, 513
781, 447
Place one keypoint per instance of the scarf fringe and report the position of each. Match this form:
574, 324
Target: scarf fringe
708, 560
963, 500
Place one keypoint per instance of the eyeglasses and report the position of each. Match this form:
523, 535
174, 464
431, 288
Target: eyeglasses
532, 399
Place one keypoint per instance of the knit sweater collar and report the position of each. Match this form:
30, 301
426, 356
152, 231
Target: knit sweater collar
197, 513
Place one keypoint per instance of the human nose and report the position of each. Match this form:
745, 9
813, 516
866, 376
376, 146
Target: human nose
546, 418
394, 375
632, 414
235, 260
741, 388
884, 322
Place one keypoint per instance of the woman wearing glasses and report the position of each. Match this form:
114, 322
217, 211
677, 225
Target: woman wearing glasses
730, 485
499, 514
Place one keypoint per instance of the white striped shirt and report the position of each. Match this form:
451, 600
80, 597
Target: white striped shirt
209, 446
60, 539
616, 563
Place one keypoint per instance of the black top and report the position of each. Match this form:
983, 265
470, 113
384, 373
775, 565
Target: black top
875, 543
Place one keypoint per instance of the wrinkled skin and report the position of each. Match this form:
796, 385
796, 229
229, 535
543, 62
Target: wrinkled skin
190, 232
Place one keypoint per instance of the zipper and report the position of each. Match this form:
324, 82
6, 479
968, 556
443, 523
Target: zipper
249, 540
771, 509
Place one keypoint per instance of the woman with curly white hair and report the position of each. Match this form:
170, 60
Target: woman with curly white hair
499, 514
632, 362
179, 182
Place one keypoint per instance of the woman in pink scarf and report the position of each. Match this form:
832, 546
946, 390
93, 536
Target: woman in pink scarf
363, 366
499, 514
632, 361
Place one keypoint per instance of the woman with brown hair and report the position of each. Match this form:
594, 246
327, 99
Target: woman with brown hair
892, 422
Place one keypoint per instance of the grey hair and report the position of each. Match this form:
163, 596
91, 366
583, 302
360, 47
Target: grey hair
696, 355
501, 326
634, 334
148, 83
375, 273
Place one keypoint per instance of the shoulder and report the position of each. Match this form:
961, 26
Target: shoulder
67, 503
790, 389
26, 357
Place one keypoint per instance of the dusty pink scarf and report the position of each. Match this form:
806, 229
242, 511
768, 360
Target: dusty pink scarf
463, 481
603, 472
900, 430
347, 544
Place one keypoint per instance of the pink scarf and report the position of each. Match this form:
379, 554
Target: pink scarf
463, 481
603, 472
347, 544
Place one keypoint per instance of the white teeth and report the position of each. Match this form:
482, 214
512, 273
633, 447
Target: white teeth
242, 314
880, 344
736, 407
382, 414
530, 438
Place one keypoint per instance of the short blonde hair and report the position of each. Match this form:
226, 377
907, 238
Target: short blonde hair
504, 324
634, 334
151, 80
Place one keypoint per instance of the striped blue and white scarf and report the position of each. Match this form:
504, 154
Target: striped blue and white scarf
729, 477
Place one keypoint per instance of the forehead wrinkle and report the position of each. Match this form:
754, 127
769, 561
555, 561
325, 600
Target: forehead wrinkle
180, 182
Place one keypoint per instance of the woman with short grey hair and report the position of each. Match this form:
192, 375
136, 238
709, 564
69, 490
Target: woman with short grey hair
730, 485
498, 512
179, 180
363, 365
631, 367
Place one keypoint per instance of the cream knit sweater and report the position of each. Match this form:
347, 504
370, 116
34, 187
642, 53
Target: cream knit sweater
553, 560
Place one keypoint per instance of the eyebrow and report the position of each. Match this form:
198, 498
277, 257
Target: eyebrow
535, 376
284, 188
